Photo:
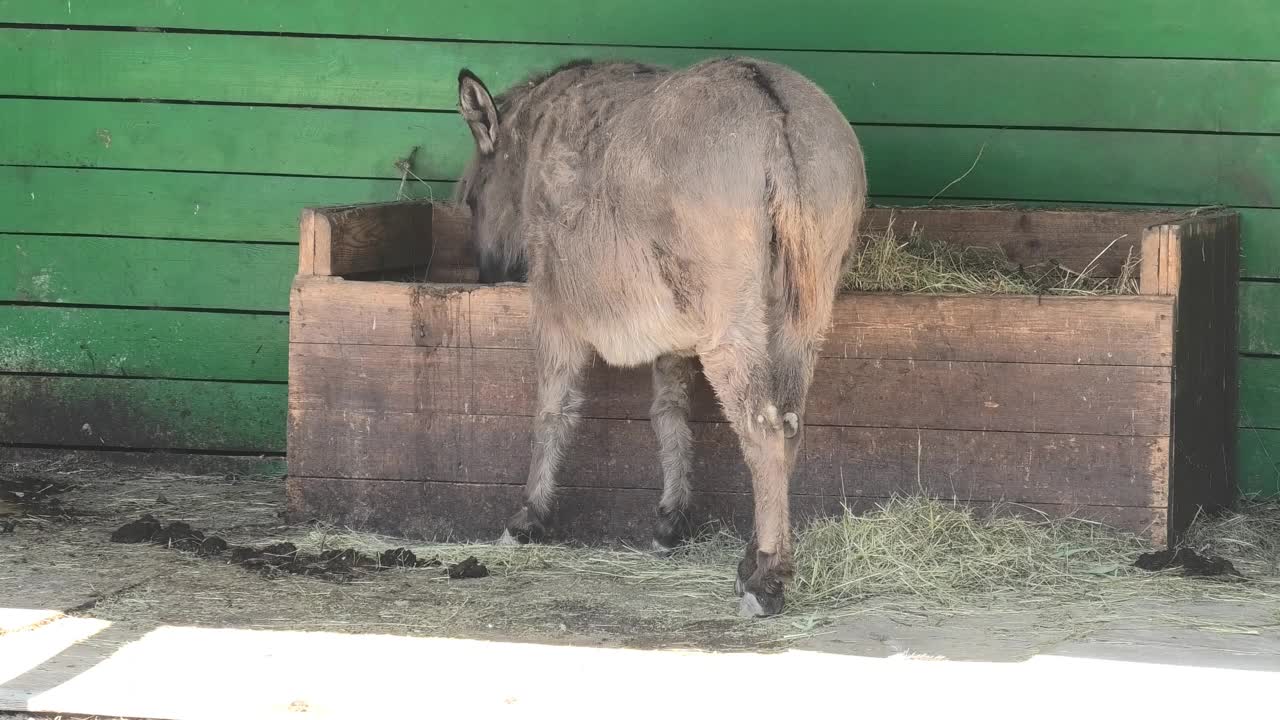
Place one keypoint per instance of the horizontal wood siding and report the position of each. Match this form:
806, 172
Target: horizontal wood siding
152, 243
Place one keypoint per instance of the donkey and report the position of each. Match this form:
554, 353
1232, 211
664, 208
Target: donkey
667, 217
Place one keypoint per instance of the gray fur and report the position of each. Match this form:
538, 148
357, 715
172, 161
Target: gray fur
662, 216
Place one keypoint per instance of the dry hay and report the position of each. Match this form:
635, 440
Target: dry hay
917, 555
913, 559
887, 262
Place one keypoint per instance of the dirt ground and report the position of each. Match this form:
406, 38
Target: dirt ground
58, 556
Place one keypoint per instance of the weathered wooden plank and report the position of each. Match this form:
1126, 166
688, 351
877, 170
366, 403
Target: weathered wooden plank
1203, 269
964, 328
360, 238
1012, 467
1169, 28
1160, 266
1258, 461
142, 414
1260, 318
145, 272
1099, 242
478, 512
143, 343
1000, 90
1260, 392
1075, 399
178, 205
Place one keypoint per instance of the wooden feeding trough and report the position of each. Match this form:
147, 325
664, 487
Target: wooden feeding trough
410, 389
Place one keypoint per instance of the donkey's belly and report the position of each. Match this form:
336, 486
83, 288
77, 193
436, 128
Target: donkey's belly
641, 340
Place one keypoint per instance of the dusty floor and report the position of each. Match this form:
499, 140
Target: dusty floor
57, 557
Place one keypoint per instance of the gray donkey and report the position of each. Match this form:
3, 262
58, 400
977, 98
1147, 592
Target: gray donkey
669, 216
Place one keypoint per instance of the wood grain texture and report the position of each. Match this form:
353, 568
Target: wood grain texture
1161, 263
143, 272
429, 510
869, 326
107, 413
1098, 241
1139, 28
984, 89
1104, 400
359, 238
143, 343
1202, 268
477, 449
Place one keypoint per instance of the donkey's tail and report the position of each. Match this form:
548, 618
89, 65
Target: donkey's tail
809, 245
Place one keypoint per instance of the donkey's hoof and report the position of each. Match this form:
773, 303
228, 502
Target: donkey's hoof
523, 528
761, 604
673, 530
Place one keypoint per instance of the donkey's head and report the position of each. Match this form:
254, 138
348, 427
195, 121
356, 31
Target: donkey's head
491, 185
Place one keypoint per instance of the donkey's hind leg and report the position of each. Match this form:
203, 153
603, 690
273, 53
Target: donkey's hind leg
739, 372
560, 364
672, 377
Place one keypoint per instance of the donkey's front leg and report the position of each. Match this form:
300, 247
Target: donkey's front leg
672, 377
560, 365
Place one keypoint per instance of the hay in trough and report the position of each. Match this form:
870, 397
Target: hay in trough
888, 262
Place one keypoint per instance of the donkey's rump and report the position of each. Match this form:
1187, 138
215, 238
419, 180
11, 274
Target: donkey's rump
663, 214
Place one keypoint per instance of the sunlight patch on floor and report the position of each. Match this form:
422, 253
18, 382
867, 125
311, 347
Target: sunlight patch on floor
186, 672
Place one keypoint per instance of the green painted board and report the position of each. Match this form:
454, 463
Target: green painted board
1142, 28
143, 272
1064, 165
258, 208
178, 205
1057, 165
1259, 462
997, 90
153, 414
1260, 244
1260, 392
1260, 318
230, 138
144, 343
1199, 169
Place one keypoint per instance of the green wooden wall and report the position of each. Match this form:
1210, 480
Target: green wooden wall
154, 155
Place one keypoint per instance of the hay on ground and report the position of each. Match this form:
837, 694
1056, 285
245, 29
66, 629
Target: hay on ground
914, 552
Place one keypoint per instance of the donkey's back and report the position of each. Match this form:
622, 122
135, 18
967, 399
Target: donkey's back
664, 206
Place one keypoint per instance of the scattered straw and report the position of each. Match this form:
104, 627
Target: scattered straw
951, 556
886, 262
913, 552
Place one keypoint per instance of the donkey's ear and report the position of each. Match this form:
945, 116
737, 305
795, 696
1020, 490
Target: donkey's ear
478, 109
